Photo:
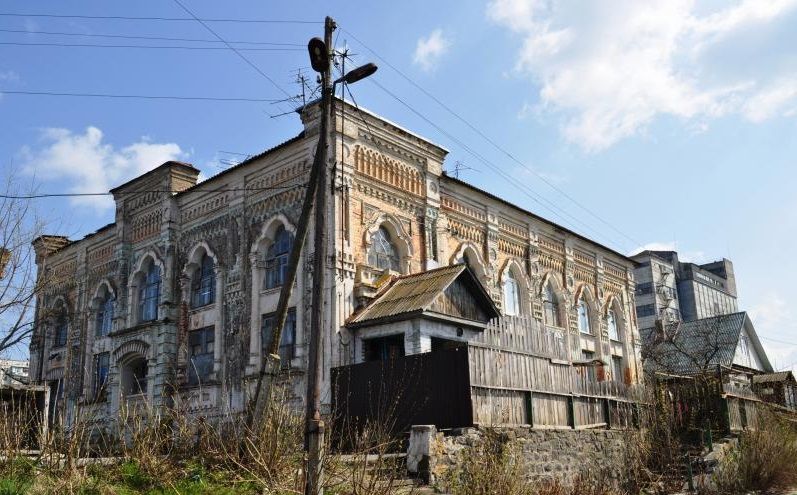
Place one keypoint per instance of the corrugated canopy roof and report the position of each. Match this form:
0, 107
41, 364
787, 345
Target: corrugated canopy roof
414, 294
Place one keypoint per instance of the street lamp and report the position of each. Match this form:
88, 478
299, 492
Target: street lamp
357, 74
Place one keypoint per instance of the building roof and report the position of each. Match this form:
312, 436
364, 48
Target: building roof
702, 345
413, 295
781, 376
170, 163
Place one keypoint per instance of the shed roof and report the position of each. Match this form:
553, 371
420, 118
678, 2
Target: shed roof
781, 376
414, 294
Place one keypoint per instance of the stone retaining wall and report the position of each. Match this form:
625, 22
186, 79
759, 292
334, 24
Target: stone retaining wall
560, 453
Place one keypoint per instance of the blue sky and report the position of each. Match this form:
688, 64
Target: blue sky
671, 123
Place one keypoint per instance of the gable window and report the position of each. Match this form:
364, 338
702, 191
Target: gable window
149, 294
61, 328
200, 350
550, 307
277, 258
101, 367
611, 323
583, 316
104, 323
204, 283
287, 340
383, 253
511, 296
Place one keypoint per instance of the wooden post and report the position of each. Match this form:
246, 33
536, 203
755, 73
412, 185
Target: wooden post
530, 408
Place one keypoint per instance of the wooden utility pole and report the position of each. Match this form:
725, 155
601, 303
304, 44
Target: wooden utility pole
314, 433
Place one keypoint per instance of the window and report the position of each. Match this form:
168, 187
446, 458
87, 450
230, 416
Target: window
204, 283
617, 368
645, 310
200, 355
149, 294
383, 253
590, 371
101, 366
611, 322
61, 328
511, 297
104, 322
583, 316
550, 307
134, 377
288, 338
644, 288
277, 258
384, 348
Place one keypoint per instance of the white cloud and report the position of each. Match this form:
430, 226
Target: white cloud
608, 69
9, 75
428, 50
772, 319
82, 163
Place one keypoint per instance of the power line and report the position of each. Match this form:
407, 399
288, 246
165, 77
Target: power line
492, 142
151, 38
236, 51
146, 97
778, 341
177, 19
151, 47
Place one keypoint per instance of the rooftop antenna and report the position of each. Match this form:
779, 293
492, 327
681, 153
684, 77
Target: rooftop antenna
459, 166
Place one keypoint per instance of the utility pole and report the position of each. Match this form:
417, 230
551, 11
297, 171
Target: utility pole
314, 432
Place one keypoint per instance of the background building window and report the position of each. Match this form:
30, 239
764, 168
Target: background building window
645, 310
511, 296
583, 316
105, 316
149, 294
383, 253
611, 322
277, 258
200, 359
288, 338
204, 283
102, 364
644, 288
61, 328
550, 307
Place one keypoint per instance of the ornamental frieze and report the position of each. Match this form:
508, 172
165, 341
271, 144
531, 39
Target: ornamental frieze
404, 177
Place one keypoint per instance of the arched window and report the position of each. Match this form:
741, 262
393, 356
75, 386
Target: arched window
134, 377
61, 328
550, 307
149, 294
277, 258
383, 253
583, 316
611, 322
104, 321
511, 295
204, 283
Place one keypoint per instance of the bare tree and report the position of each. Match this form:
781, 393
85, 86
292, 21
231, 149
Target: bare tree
19, 226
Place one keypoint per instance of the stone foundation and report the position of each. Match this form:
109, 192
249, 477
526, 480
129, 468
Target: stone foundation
560, 453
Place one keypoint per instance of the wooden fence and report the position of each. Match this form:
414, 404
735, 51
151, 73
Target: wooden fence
742, 413
521, 373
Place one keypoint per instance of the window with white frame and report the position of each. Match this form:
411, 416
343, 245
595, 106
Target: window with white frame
61, 328
383, 253
277, 258
102, 365
583, 316
287, 346
104, 318
550, 306
611, 323
204, 283
200, 350
149, 294
511, 295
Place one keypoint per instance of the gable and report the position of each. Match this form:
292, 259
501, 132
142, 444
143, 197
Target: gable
459, 301
749, 353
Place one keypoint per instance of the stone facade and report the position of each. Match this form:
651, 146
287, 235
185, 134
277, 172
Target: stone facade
120, 321
561, 454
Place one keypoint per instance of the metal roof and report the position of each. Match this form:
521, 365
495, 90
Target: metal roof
415, 293
702, 345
